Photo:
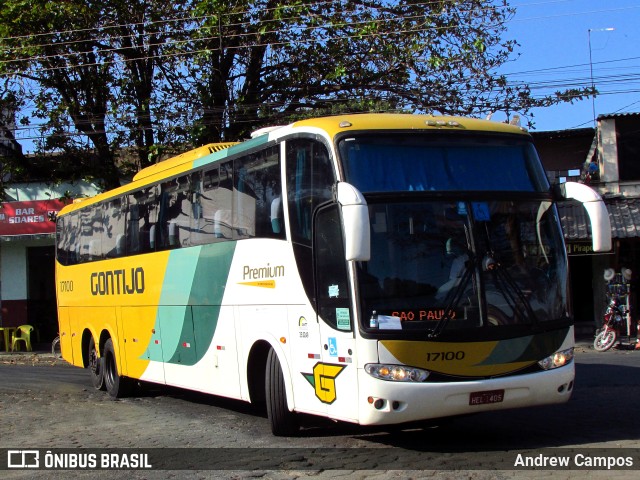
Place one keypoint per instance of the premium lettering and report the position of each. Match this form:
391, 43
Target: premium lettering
261, 273
118, 282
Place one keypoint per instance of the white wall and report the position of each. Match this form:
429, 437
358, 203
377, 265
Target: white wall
23, 192
608, 151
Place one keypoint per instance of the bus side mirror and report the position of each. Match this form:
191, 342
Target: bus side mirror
355, 218
597, 211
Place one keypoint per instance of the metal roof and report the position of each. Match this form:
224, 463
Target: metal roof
604, 116
624, 214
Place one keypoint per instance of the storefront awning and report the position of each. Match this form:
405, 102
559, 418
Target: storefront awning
624, 214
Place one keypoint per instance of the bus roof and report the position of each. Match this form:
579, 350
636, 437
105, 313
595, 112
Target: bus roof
332, 125
181, 159
400, 121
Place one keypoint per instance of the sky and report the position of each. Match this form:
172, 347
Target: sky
554, 38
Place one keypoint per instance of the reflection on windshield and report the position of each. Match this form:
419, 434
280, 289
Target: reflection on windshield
440, 265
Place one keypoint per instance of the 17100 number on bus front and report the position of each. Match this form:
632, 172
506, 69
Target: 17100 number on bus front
445, 356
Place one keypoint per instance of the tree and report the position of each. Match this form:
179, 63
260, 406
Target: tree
141, 74
90, 68
51, 46
267, 61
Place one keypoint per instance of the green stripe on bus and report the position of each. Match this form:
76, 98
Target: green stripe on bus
227, 152
190, 302
526, 349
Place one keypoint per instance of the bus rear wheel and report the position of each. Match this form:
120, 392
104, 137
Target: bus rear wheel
117, 386
284, 423
96, 366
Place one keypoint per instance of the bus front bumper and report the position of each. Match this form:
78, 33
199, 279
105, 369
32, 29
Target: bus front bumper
386, 402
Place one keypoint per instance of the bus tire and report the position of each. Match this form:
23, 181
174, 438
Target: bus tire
283, 422
117, 386
96, 365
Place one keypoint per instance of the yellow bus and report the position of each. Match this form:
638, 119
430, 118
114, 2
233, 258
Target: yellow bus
375, 269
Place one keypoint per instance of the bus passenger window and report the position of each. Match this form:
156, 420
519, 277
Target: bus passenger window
141, 221
257, 188
174, 217
114, 227
67, 233
211, 205
90, 234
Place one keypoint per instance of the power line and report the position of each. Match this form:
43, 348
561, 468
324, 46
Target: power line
177, 54
609, 80
216, 16
328, 27
534, 85
197, 40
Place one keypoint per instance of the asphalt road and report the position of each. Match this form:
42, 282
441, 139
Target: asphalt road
50, 405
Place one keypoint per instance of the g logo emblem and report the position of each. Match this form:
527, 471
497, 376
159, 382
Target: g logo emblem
323, 379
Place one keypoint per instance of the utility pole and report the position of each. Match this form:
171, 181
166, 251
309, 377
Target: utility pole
593, 85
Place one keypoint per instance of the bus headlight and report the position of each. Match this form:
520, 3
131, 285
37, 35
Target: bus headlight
558, 359
396, 373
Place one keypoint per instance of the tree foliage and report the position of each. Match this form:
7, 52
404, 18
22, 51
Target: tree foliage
142, 75
90, 72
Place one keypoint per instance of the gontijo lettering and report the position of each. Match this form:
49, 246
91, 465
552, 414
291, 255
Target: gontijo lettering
118, 282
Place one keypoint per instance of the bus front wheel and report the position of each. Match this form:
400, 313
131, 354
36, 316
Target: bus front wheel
117, 386
284, 423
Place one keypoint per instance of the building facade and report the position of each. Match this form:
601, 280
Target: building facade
27, 254
608, 159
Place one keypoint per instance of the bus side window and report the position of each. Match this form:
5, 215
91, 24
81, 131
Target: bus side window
141, 221
174, 216
195, 192
331, 270
90, 234
310, 179
223, 203
211, 205
74, 240
62, 248
114, 227
67, 233
257, 188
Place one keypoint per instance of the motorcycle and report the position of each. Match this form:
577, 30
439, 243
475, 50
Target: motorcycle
614, 320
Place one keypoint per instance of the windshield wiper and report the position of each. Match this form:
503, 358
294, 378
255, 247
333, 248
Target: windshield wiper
509, 288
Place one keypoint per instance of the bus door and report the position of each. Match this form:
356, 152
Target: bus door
336, 381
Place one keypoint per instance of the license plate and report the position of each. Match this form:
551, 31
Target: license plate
489, 396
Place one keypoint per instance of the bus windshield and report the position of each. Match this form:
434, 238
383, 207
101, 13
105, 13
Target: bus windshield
397, 162
448, 255
439, 265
